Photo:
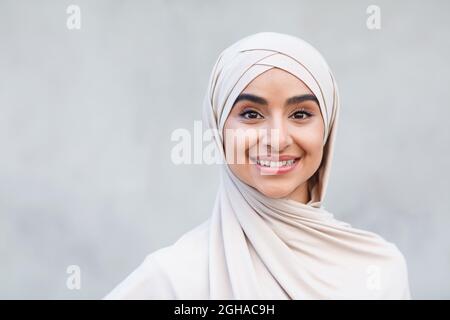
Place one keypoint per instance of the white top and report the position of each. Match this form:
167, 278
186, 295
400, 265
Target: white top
255, 247
159, 276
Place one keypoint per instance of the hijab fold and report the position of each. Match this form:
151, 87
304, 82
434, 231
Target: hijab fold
255, 247
262, 248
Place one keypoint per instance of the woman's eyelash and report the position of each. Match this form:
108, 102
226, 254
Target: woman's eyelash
255, 114
308, 114
249, 111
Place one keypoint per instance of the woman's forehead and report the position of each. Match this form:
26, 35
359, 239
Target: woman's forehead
276, 81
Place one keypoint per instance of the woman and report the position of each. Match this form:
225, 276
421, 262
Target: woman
269, 236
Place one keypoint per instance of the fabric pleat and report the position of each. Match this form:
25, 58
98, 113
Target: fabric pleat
280, 248
256, 247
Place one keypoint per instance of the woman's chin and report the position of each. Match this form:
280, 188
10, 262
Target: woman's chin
274, 192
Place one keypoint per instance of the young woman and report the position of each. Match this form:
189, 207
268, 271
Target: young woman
269, 235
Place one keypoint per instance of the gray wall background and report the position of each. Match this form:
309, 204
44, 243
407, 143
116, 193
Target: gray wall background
86, 117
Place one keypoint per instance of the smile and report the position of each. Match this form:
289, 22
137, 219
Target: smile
275, 164
270, 167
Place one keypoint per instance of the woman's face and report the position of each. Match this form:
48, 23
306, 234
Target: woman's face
273, 135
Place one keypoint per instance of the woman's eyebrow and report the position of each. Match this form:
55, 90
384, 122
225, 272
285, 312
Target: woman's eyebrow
301, 98
252, 98
262, 101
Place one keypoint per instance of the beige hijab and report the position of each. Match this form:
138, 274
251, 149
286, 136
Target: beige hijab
262, 248
277, 248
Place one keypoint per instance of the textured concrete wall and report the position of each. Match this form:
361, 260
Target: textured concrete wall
86, 116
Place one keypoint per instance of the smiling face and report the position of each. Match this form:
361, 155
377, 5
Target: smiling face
276, 117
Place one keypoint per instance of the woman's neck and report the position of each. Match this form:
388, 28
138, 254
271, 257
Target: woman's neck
301, 194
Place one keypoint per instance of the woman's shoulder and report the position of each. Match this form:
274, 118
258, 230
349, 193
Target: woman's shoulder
382, 263
147, 281
172, 272
391, 267
398, 274
185, 263
191, 246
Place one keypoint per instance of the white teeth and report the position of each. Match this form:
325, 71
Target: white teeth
275, 164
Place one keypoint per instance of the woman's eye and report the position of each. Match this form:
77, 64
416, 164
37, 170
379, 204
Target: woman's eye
250, 114
301, 115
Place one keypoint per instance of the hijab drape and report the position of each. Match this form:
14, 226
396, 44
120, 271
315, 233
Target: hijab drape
263, 248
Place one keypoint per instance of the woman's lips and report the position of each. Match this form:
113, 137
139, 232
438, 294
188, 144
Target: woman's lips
283, 165
283, 157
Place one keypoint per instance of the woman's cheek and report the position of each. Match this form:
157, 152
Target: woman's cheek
246, 144
308, 139
237, 143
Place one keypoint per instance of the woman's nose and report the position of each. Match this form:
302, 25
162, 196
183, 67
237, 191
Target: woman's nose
277, 137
